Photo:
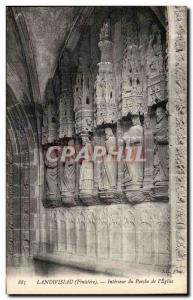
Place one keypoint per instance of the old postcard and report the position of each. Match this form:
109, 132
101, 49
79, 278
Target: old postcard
96, 146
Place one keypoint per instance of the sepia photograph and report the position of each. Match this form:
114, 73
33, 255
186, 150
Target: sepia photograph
96, 150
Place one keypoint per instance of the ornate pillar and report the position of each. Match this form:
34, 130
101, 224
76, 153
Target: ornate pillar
83, 90
177, 75
51, 113
132, 79
156, 70
148, 152
156, 123
84, 118
106, 107
66, 120
132, 107
9, 202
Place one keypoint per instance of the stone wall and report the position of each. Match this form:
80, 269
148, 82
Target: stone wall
23, 151
115, 87
137, 58
178, 93
136, 234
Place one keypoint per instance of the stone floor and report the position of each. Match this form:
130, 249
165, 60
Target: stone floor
50, 264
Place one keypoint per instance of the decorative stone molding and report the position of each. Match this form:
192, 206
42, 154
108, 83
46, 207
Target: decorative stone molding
177, 73
124, 232
10, 209
105, 102
86, 176
156, 60
68, 180
132, 100
84, 89
108, 171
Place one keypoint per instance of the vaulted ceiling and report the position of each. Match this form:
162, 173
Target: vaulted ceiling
35, 39
48, 28
43, 30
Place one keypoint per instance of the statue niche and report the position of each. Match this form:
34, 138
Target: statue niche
67, 179
161, 155
52, 175
86, 177
134, 168
157, 87
108, 178
132, 79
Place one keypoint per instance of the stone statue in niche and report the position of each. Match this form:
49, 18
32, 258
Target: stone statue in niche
155, 51
161, 155
25, 248
132, 83
134, 168
157, 88
86, 179
68, 179
109, 168
106, 108
105, 31
51, 176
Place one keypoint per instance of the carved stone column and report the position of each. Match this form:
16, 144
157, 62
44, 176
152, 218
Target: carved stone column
9, 201
49, 130
156, 70
97, 163
161, 155
68, 179
120, 172
105, 102
52, 175
66, 119
132, 79
157, 97
84, 89
177, 62
148, 152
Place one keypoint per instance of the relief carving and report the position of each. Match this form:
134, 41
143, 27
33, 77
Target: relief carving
105, 102
52, 173
86, 178
9, 199
133, 139
83, 97
84, 90
108, 176
178, 108
157, 88
132, 79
